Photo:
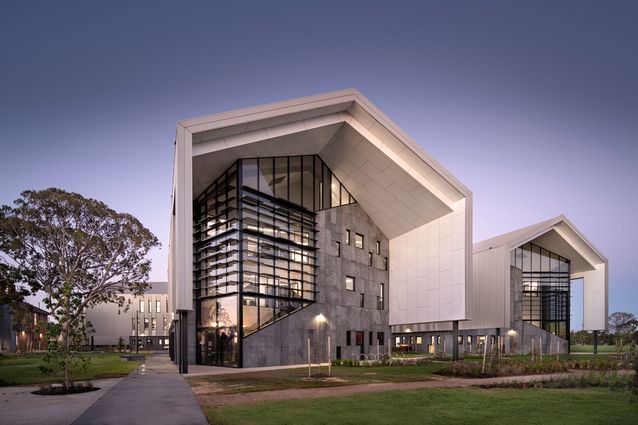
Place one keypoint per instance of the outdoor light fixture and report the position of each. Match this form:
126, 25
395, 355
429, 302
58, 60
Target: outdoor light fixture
511, 332
408, 330
320, 318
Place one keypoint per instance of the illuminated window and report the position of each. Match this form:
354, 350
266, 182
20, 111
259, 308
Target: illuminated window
350, 283
157, 306
347, 236
142, 306
358, 240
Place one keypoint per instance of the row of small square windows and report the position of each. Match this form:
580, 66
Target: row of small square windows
358, 243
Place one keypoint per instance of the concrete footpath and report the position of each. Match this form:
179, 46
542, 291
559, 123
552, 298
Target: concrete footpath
153, 394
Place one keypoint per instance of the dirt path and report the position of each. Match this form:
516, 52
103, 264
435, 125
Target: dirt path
207, 399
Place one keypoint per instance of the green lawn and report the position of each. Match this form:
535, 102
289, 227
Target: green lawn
610, 349
298, 378
23, 370
442, 406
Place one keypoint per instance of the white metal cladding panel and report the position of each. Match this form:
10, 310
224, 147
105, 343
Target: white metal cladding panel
428, 271
594, 298
181, 248
489, 300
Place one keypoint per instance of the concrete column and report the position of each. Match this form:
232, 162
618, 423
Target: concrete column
183, 342
455, 340
595, 342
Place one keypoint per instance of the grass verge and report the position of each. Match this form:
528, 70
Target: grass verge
24, 370
442, 406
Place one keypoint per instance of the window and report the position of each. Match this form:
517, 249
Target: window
338, 248
438, 340
166, 304
370, 337
362, 299
378, 247
153, 323
348, 338
380, 302
469, 342
358, 338
347, 236
419, 340
460, 339
358, 240
132, 324
349, 283
149, 306
142, 306
385, 263
157, 306
165, 327
380, 338
146, 324
370, 258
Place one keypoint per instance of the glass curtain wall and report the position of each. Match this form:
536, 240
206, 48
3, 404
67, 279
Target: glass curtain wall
255, 248
546, 288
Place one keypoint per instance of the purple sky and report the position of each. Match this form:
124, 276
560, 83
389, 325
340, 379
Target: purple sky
533, 106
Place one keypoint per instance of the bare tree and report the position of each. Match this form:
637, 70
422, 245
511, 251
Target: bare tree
80, 253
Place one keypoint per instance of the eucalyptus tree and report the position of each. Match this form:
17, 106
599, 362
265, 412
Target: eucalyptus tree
80, 253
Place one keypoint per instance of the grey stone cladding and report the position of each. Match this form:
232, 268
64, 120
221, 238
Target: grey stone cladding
285, 342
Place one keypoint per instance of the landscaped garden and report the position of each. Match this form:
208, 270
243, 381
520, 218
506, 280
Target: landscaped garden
25, 369
600, 380
282, 379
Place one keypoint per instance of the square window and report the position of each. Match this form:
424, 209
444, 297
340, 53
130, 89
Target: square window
350, 283
358, 240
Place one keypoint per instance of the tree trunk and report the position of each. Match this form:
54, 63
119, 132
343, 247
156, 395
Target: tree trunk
66, 342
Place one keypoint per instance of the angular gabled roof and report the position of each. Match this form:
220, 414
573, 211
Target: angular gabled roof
558, 235
397, 183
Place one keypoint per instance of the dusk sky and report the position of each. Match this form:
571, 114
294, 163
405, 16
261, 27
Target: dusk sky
533, 106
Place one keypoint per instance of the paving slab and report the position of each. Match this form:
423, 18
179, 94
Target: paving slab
155, 393
19, 407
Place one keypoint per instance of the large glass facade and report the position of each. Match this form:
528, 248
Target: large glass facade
255, 248
546, 288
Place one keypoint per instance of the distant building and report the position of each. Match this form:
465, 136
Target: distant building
145, 323
23, 330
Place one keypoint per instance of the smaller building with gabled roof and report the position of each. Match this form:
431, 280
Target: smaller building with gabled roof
522, 282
